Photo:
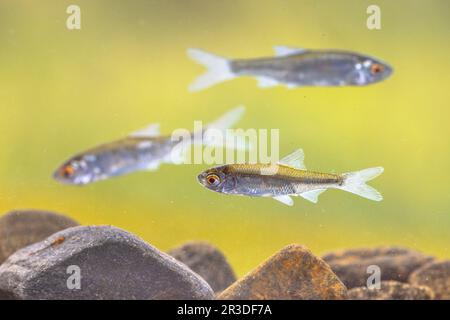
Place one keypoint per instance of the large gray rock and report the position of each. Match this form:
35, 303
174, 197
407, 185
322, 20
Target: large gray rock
293, 273
112, 263
21, 228
391, 290
395, 263
208, 262
435, 275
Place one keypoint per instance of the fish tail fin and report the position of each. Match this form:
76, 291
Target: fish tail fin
228, 119
355, 182
220, 125
218, 69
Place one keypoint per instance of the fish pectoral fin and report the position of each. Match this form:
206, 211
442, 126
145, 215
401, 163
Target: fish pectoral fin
295, 160
149, 131
152, 166
287, 51
291, 86
287, 200
266, 82
313, 195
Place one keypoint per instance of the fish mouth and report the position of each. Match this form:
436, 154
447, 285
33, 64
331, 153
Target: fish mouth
389, 71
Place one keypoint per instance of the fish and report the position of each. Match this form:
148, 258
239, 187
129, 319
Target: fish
142, 150
293, 67
286, 178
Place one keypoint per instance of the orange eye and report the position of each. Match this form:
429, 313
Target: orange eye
376, 68
213, 179
68, 171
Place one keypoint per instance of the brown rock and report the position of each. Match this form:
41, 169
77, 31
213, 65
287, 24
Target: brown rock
391, 290
21, 228
208, 262
292, 273
395, 264
435, 275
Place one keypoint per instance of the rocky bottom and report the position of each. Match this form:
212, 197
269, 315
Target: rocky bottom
44, 255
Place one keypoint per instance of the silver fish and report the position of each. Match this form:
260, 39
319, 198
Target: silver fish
141, 150
287, 178
293, 68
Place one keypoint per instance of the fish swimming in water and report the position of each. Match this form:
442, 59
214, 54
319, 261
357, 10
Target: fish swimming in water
287, 178
141, 150
293, 67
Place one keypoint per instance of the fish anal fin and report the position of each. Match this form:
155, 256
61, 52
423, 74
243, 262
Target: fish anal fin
287, 200
295, 160
312, 195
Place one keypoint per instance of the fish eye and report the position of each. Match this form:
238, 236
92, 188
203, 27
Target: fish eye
376, 68
213, 179
68, 171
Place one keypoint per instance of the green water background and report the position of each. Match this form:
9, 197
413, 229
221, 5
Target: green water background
64, 91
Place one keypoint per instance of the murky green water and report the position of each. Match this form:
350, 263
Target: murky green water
63, 91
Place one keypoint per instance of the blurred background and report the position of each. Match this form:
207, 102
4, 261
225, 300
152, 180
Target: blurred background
63, 91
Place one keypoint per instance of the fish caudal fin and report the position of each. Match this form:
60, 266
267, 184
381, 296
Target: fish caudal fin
355, 182
218, 69
228, 119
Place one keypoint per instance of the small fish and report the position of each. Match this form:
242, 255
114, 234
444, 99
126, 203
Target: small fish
287, 178
141, 150
293, 67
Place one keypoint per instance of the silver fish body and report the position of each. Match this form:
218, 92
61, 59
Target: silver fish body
287, 178
295, 68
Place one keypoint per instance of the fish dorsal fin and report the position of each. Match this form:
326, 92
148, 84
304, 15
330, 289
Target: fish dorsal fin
149, 131
287, 200
313, 195
295, 160
287, 51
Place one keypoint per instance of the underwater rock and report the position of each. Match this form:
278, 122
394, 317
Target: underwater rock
395, 263
293, 273
436, 276
21, 228
392, 290
97, 262
208, 262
